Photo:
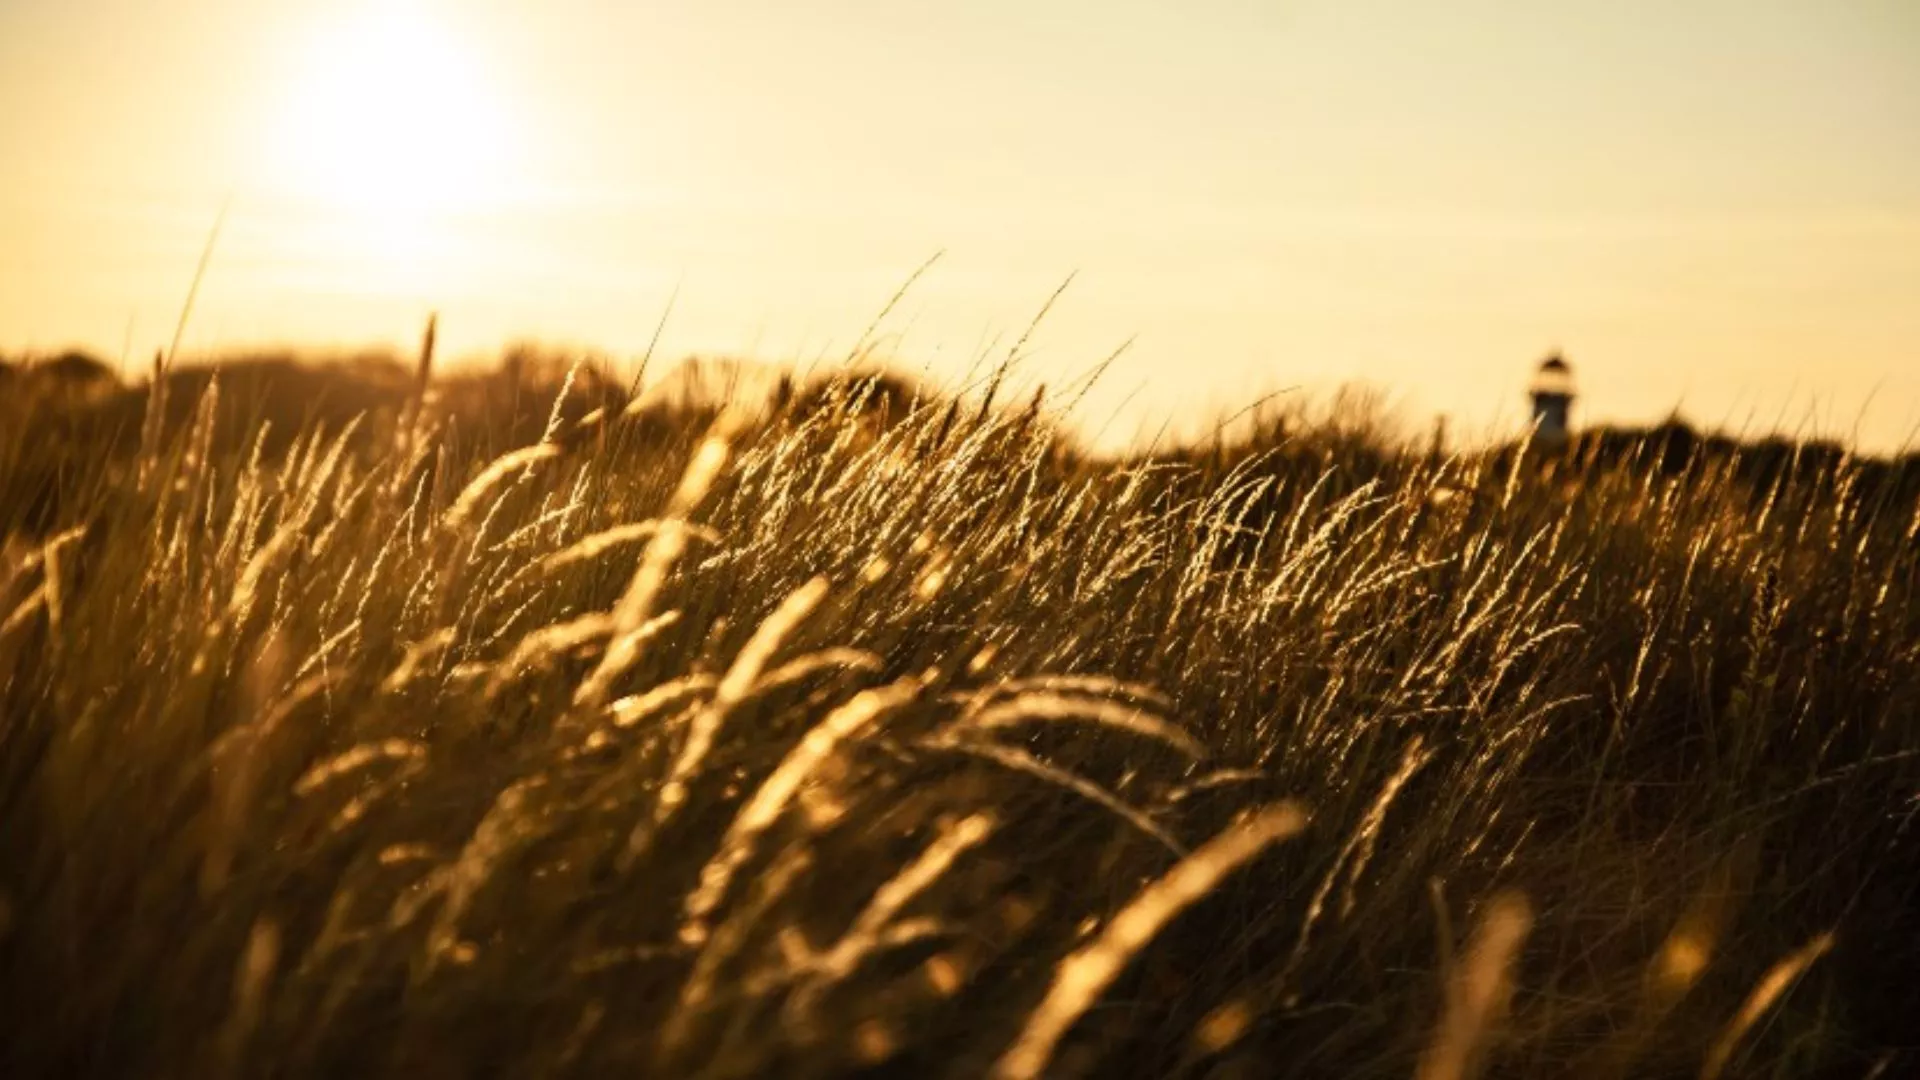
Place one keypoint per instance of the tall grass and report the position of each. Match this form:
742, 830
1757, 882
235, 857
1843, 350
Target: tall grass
889, 731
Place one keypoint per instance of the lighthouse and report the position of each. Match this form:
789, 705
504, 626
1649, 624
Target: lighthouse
1552, 394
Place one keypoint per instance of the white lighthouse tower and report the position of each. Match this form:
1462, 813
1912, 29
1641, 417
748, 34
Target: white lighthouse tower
1552, 394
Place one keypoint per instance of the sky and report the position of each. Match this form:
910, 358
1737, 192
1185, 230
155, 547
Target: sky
1712, 205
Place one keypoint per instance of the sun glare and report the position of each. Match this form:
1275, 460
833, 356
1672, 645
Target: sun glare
390, 124
391, 111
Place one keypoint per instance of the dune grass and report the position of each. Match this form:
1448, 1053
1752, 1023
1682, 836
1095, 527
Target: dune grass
885, 731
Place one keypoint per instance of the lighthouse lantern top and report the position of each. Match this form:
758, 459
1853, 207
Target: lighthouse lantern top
1554, 379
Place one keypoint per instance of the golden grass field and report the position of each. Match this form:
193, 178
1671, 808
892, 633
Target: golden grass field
362, 721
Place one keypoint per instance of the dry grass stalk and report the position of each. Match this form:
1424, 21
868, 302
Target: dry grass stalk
634, 708
51, 592
1085, 975
239, 757
415, 657
356, 808
356, 757
1367, 835
767, 639
252, 978
1477, 993
734, 687
1223, 1026
870, 930
24, 610
554, 639
724, 945
1354, 855
508, 824
153, 418
490, 477
702, 470
1769, 990
630, 615
1022, 762
592, 547
1673, 971
1096, 685
771, 800
801, 667
1214, 781
559, 403
1035, 705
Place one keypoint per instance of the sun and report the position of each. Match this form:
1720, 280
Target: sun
389, 115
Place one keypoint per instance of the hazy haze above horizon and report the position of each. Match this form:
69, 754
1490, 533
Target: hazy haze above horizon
1713, 205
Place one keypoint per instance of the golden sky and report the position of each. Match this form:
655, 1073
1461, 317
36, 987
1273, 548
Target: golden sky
1714, 204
